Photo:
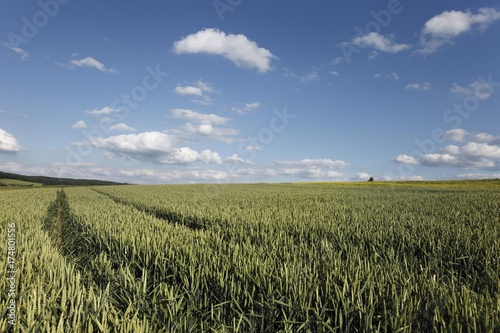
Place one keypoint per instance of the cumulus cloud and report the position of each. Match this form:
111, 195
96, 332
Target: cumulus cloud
199, 89
8, 143
481, 90
378, 42
199, 117
122, 128
92, 63
188, 90
237, 48
79, 125
478, 151
207, 130
418, 86
487, 138
17, 50
443, 28
235, 159
455, 134
406, 159
104, 111
155, 147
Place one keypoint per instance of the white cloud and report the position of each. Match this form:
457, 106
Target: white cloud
204, 100
235, 159
456, 134
328, 163
401, 178
252, 148
338, 60
312, 76
206, 129
418, 86
17, 50
155, 147
361, 176
379, 43
441, 29
473, 149
439, 160
200, 89
487, 138
199, 117
8, 143
79, 125
406, 159
205, 86
237, 48
10, 167
392, 76
248, 107
188, 90
484, 154
481, 90
478, 175
122, 127
92, 63
103, 111
334, 73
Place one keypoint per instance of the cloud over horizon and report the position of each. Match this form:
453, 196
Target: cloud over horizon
478, 151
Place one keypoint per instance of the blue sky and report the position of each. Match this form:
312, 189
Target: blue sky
250, 91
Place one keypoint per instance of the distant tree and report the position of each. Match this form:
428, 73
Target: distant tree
371, 179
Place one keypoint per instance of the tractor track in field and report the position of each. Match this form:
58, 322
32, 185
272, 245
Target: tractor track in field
191, 222
81, 246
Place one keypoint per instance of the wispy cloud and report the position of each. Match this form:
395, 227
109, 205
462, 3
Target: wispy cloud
91, 63
392, 75
418, 86
17, 50
308, 77
200, 89
199, 117
237, 48
481, 90
378, 43
247, 108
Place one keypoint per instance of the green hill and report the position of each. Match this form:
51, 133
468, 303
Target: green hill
12, 179
16, 182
